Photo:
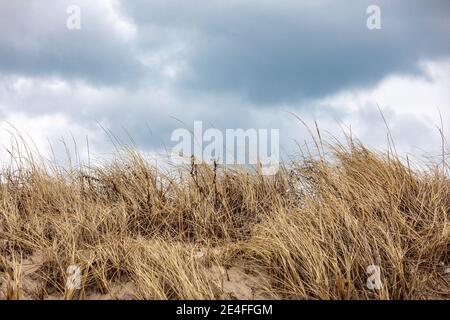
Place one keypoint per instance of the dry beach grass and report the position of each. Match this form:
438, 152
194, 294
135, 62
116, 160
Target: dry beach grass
210, 232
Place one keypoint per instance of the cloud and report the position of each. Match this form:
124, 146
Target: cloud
266, 52
35, 41
271, 52
412, 106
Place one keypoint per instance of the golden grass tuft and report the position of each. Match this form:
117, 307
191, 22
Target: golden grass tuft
309, 232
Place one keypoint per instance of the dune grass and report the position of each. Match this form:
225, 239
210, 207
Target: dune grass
309, 232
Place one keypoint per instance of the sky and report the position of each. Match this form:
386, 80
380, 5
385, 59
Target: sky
144, 68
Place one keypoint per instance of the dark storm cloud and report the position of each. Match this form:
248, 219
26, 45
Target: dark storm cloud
267, 51
35, 41
280, 51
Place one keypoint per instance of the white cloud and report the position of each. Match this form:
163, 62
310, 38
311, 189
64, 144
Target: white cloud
47, 136
412, 107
